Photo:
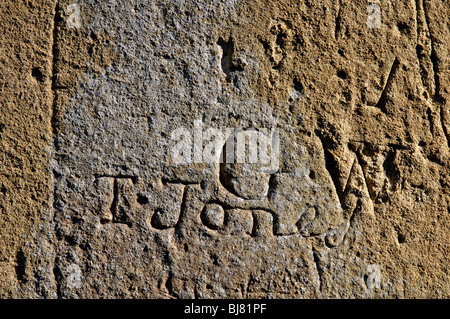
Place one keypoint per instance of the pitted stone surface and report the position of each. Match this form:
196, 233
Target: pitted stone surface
356, 205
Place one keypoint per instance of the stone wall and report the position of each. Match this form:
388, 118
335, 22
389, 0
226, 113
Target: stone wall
239, 149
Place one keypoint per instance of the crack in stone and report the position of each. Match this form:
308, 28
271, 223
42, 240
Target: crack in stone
381, 104
54, 62
56, 273
318, 269
366, 181
436, 97
331, 166
433, 57
338, 20
444, 127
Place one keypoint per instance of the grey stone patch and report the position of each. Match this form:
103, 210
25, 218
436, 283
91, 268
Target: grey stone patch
127, 217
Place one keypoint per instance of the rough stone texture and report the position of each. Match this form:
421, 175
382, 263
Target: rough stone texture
25, 137
357, 208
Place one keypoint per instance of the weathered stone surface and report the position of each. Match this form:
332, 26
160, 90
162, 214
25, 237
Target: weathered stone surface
25, 142
354, 205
